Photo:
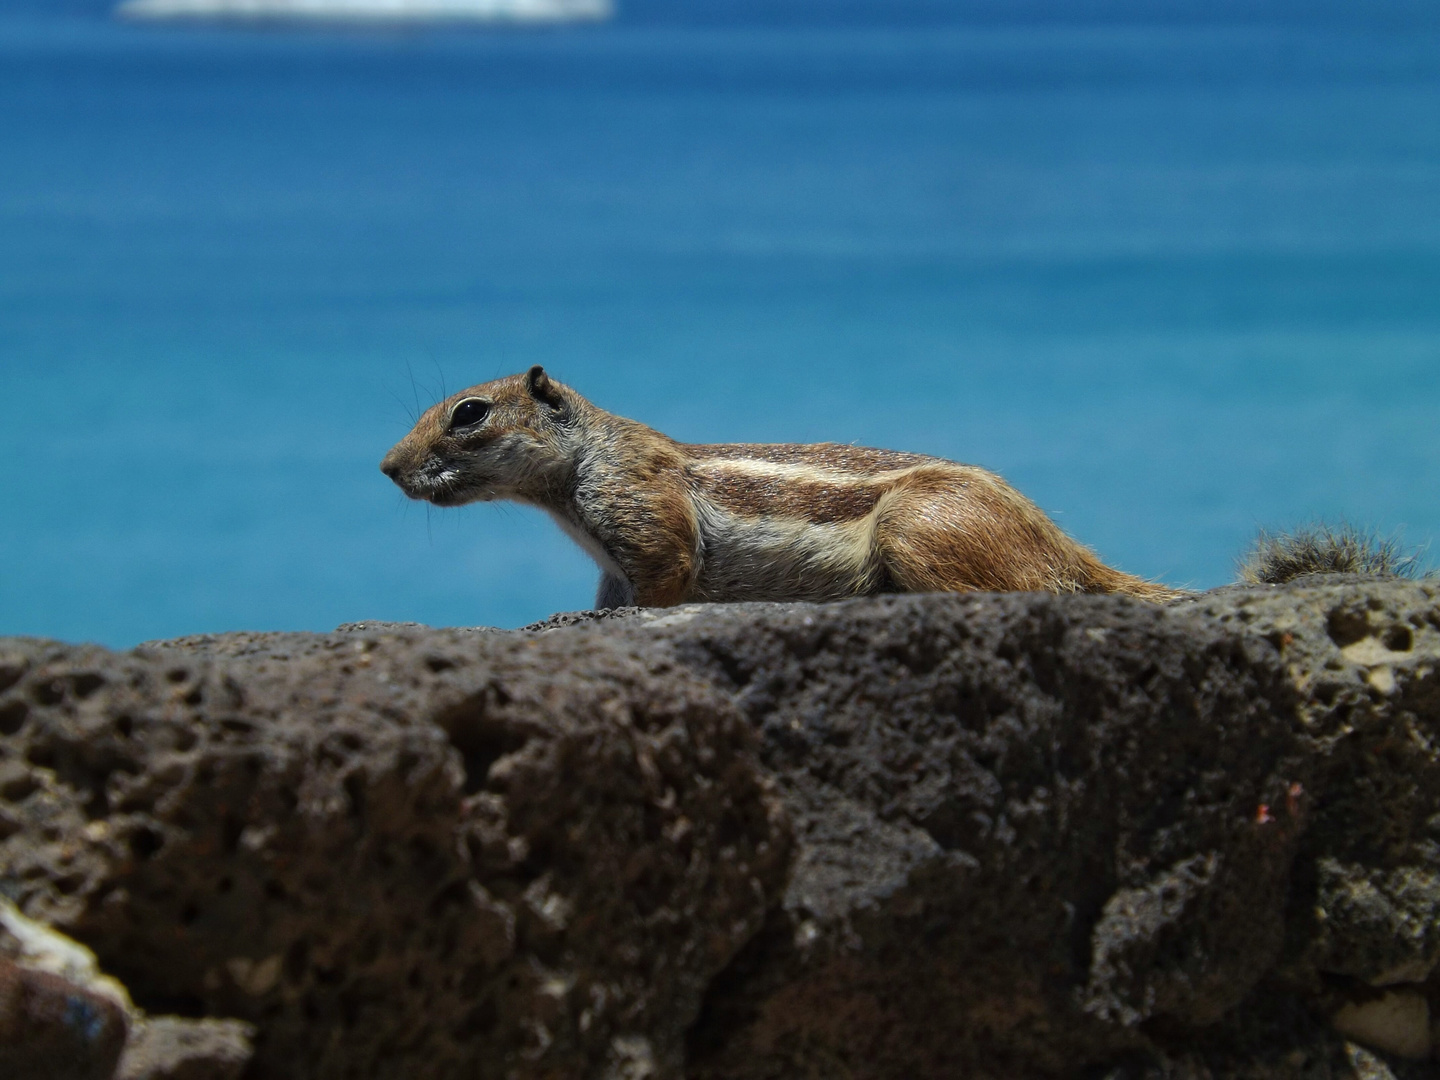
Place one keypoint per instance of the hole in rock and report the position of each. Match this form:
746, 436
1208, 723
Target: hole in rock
12, 717
355, 789
329, 976
647, 891
86, 683
452, 895
437, 664
368, 951
48, 693
479, 1021
423, 854
1399, 639
297, 960
10, 674
231, 829
124, 726
737, 670
177, 675
728, 1007
19, 788
159, 1003
539, 859
1348, 627
145, 842
473, 981
481, 743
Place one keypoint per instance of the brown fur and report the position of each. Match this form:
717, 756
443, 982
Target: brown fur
819, 502
670, 522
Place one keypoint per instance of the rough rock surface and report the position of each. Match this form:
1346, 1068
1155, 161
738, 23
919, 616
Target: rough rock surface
994, 835
167, 1048
54, 1029
413, 854
64, 1017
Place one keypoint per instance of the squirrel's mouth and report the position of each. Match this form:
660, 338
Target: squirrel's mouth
446, 489
433, 484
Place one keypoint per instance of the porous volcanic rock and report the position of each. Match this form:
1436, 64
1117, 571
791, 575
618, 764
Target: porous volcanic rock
54, 1029
910, 836
1043, 836
169, 1048
407, 854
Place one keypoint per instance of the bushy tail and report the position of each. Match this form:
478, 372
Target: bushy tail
1276, 558
1097, 577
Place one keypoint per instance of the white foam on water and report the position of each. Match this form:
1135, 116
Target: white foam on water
528, 11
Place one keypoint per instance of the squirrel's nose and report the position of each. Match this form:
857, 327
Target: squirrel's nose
390, 467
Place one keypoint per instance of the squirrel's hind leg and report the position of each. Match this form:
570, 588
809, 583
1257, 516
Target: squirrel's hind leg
947, 530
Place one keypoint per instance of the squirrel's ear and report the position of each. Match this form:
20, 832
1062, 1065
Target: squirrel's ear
542, 389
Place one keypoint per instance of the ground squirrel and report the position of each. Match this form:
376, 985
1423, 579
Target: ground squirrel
671, 523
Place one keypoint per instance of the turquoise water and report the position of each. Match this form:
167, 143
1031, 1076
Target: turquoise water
1175, 279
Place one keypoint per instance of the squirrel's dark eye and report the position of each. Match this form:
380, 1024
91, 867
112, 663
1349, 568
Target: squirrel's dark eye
467, 413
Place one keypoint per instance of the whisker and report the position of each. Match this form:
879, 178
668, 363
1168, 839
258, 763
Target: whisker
406, 406
414, 389
444, 393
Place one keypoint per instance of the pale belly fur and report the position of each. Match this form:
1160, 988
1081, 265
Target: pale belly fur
772, 558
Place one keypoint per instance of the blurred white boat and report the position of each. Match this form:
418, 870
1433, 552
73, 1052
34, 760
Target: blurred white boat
372, 11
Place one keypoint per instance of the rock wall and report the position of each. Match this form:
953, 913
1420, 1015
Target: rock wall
905, 837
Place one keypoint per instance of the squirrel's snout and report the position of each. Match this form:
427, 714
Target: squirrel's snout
391, 466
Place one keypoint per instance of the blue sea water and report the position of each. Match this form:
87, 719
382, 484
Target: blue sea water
1173, 269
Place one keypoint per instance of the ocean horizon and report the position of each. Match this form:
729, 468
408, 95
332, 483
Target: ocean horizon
1174, 273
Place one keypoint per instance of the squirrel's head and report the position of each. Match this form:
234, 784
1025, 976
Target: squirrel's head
501, 440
